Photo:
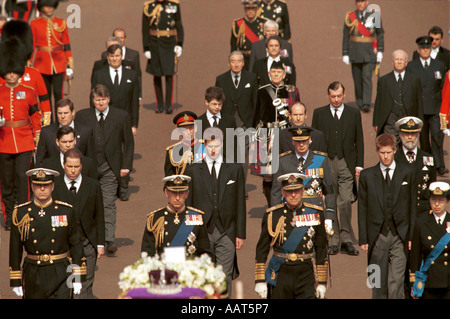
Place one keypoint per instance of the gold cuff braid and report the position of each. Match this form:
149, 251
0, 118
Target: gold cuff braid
260, 271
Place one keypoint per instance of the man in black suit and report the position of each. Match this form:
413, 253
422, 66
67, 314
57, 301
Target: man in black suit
262, 66
259, 48
386, 212
218, 189
85, 195
297, 118
362, 46
114, 152
432, 77
129, 56
438, 52
342, 127
213, 117
241, 90
65, 139
399, 94
65, 115
421, 162
122, 83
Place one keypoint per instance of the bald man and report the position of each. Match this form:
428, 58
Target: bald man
399, 94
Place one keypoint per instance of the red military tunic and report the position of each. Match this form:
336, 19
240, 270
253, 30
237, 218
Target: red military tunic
444, 113
51, 45
23, 121
32, 77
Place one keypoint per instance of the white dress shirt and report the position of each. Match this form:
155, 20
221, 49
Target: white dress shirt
112, 73
209, 162
210, 118
68, 182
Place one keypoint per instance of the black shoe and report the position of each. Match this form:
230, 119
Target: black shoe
333, 250
349, 249
124, 197
168, 109
365, 108
442, 171
159, 110
111, 249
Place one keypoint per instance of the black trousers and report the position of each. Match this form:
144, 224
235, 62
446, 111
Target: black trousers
431, 132
157, 83
295, 281
54, 84
362, 80
12, 172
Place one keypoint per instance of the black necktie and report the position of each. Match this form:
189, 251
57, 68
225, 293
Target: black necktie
301, 160
72, 188
116, 78
214, 176
215, 121
236, 81
335, 115
425, 65
410, 155
388, 177
102, 119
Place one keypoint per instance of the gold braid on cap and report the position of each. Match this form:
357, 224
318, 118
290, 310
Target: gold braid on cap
23, 226
157, 229
279, 229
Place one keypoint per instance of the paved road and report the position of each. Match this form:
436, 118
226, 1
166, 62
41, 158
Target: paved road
317, 33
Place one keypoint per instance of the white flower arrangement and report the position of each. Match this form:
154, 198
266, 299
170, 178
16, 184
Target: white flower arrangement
199, 272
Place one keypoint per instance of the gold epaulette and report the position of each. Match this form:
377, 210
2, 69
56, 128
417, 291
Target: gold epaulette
320, 153
268, 210
171, 146
151, 213
175, 1
28, 87
285, 153
24, 204
63, 203
313, 206
195, 209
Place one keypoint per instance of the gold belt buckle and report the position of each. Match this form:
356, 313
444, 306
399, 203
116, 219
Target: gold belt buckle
293, 257
45, 258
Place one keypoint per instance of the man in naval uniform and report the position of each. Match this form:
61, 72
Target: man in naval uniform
296, 233
176, 225
276, 10
421, 162
48, 231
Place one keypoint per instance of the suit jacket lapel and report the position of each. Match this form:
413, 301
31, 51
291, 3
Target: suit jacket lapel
206, 177
82, 196
378, 179
223, 179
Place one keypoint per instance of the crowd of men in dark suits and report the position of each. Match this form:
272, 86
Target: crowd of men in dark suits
320, 168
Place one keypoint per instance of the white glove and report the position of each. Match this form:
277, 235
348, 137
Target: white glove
148, 55
379, 57
69, 72
2, 121
178, 50
320, 291
446, 132
329, 226
76, 288
18, 291
346, 59
261, 289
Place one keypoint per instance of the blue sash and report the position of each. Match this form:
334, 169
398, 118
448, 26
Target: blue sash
183, 231
199, 152
288, 247
421, 275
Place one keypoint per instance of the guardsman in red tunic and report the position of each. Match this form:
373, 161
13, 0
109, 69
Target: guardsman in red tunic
32, 77
444, 112
52, 55
247, 30
20, 127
